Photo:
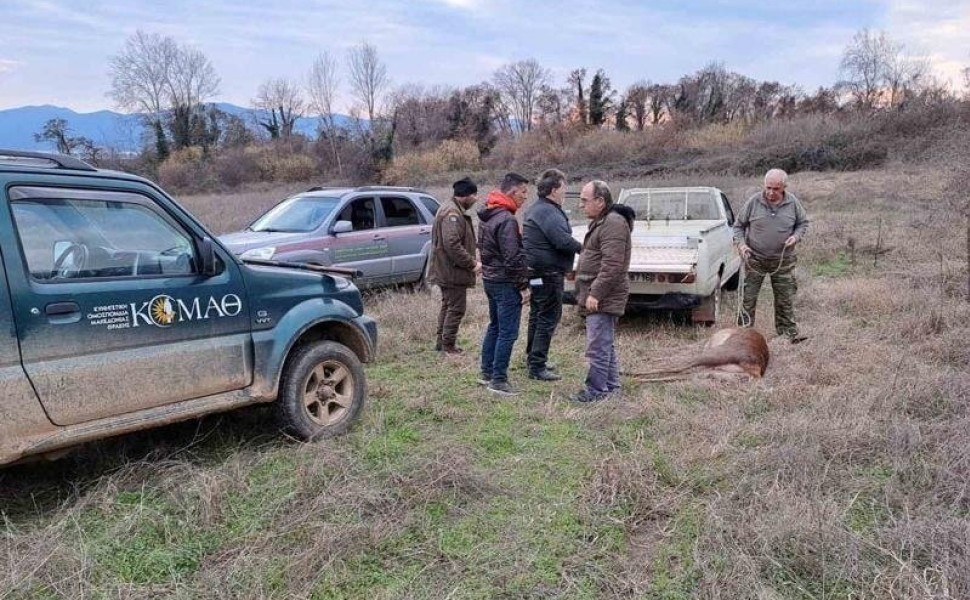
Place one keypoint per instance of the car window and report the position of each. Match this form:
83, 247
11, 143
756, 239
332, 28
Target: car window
727, 209
399, 212
300, 214
73, 238
360, 212
430, 203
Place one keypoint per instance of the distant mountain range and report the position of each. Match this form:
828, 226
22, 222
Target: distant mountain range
108, 128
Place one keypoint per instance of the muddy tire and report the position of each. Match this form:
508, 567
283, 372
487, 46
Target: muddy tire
322, 391
422, 285
709, 310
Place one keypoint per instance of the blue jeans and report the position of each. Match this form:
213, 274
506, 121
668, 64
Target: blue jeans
604, 370
504, 313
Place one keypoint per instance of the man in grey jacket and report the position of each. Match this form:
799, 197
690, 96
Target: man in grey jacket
766, 230
549, 251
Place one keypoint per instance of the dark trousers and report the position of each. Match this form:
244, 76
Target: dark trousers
604, 369
545, 311
454, 300
504, 314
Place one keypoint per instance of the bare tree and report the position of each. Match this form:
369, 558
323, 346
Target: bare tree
368, 77
875, 70
638, 100
139, 80
192, 80
283, 100
520, 84
577, 81
159, 78
322, 84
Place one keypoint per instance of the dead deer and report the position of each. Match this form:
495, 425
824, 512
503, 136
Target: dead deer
729, 351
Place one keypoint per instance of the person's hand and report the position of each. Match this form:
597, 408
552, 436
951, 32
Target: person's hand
526, 295
592, 303
791, 241
744, 250
478, 267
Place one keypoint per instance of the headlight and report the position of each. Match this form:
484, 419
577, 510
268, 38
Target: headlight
259, 253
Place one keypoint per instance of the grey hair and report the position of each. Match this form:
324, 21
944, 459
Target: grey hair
603, 191
777, 175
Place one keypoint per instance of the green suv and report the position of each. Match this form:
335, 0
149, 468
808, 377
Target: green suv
121, 312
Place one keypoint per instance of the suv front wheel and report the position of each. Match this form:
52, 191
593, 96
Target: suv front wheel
322, 391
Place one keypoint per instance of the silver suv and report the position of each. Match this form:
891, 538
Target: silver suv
382, 232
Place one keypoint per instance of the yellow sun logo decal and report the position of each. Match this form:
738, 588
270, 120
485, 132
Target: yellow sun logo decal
162, 311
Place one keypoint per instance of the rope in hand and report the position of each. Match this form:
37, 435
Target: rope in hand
742, 317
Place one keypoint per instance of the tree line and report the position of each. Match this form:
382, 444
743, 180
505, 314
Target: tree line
171, 85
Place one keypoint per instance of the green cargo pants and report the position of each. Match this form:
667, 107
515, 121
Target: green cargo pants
783, 286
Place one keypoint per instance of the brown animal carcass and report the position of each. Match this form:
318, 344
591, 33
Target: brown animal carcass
729, 351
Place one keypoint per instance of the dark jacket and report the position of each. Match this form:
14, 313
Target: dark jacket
500, 247
605, 262
452, 247
547, 238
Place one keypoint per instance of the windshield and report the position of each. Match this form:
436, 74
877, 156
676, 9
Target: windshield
298, 214
673, 205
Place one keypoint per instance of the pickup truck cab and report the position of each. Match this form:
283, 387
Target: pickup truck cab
682, 254
120, 312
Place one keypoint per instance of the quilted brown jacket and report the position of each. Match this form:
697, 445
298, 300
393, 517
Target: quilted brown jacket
604, 263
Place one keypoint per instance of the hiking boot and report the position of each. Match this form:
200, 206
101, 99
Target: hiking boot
452, 350
797, 338
586, 397
484, 379
545, 375
502, 388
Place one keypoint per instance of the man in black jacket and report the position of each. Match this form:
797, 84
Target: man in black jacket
549, 251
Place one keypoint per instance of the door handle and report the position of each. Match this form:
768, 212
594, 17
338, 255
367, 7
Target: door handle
59, 309
62, 313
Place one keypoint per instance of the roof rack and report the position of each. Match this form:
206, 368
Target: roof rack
44, 160
321, 188
386, 188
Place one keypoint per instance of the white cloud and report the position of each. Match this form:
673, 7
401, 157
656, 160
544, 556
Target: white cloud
8, 65
466, 4
940, 32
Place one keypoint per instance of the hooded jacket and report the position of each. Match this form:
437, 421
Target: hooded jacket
605, 262
500, 242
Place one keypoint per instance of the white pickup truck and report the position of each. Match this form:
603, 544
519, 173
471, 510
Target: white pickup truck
682, 250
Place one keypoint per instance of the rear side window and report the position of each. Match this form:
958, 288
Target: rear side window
430, 203
71, 235
399, 212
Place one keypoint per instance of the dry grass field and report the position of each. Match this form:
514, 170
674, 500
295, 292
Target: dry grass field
844, 473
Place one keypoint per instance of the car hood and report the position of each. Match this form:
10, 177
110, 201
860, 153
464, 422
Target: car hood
240, 241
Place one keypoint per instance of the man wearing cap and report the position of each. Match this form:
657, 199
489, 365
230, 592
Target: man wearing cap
453, 264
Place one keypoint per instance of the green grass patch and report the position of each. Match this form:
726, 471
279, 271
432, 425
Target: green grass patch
838, 266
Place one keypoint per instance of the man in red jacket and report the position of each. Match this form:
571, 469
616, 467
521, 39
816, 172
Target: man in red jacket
505, 277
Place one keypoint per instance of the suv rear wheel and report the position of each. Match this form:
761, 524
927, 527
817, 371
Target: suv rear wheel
322, 391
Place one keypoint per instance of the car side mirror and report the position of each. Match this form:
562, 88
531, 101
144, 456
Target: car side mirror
207, 257
342, 227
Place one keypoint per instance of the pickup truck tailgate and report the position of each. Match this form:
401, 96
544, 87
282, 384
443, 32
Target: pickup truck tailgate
660, 252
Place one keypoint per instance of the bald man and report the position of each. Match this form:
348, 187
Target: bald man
767, 229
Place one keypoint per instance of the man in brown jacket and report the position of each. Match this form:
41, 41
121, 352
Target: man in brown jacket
602, 286
453, 263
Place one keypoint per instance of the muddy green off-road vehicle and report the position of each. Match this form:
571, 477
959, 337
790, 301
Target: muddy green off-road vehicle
119, 312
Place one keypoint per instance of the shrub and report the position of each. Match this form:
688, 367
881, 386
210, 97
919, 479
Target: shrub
421, 167
187, 171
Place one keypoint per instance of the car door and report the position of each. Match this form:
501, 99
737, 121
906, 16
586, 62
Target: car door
365, 248
734, 259
113, 312
407, 234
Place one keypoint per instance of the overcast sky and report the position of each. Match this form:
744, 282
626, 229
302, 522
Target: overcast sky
57, 51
